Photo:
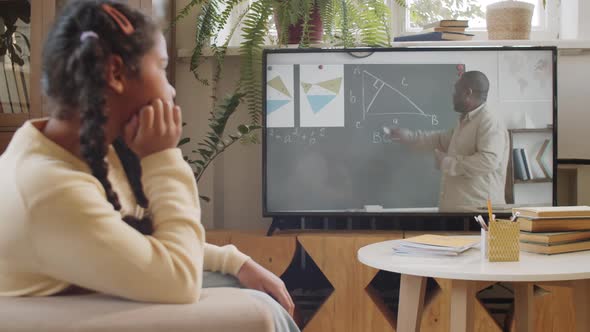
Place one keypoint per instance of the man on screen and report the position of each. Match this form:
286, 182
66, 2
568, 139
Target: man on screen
473, 156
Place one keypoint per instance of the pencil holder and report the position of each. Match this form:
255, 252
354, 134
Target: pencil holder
503, 241
483, 244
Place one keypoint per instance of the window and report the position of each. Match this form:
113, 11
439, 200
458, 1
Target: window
234, 21
15, 62
545, 21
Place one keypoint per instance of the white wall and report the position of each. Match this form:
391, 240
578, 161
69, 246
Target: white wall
573, 87
574, 106
196, 104
234, 182
576, 24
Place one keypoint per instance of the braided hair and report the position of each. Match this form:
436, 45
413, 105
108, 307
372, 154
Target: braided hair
73, 70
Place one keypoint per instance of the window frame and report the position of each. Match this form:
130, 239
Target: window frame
548, 29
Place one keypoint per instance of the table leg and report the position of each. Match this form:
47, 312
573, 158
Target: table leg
524, 306
581, 294
411, 303
462, 305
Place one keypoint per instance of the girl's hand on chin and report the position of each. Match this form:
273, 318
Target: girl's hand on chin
155, 128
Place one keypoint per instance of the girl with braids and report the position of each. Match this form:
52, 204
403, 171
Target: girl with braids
97, 196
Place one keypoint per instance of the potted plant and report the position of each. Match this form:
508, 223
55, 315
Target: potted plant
296, 23
345, 23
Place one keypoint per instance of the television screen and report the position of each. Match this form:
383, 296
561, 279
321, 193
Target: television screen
408, 130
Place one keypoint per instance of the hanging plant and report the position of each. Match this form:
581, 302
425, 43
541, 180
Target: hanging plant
10, 12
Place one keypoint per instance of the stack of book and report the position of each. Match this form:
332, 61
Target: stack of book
434, 245
554, 229
440, 30
447, 26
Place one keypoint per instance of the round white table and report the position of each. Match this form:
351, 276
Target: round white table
468, 270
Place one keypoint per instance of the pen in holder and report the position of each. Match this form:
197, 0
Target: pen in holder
503, 241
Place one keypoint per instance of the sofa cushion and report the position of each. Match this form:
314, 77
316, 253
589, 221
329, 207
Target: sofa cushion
219, 310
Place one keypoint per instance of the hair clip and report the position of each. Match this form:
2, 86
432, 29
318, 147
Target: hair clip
119, 18
88, 34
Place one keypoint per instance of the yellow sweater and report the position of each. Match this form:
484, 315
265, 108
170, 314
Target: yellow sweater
57, 228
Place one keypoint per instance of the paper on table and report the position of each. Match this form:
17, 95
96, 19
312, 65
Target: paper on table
448, 242
401, 250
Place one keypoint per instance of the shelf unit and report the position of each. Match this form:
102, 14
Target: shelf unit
530, 139
541, 180
565, 47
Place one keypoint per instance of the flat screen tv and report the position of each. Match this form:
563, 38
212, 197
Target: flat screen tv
408, 131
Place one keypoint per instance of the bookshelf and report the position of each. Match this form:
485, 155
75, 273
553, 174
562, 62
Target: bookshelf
541, 180
530, 167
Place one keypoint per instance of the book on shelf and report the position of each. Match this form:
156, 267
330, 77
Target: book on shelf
543, 157
581, 211
527, 164
434, 36
554, 237
550, 249
434, 245
447, 23
520, 172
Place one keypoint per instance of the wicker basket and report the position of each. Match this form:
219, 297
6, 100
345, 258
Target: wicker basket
503, 241
509, 20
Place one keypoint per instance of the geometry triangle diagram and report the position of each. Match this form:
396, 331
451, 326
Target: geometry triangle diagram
277, 84
273, 105
379, 97
318, 102
332, 85
306, 86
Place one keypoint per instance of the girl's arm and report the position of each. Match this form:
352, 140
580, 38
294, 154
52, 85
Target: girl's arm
80, 238
227, 259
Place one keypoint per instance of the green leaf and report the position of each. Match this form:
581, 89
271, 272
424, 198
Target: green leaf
207, 144
205, 153
401, 3
184, 141
185, 11
243, 129
253, 33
